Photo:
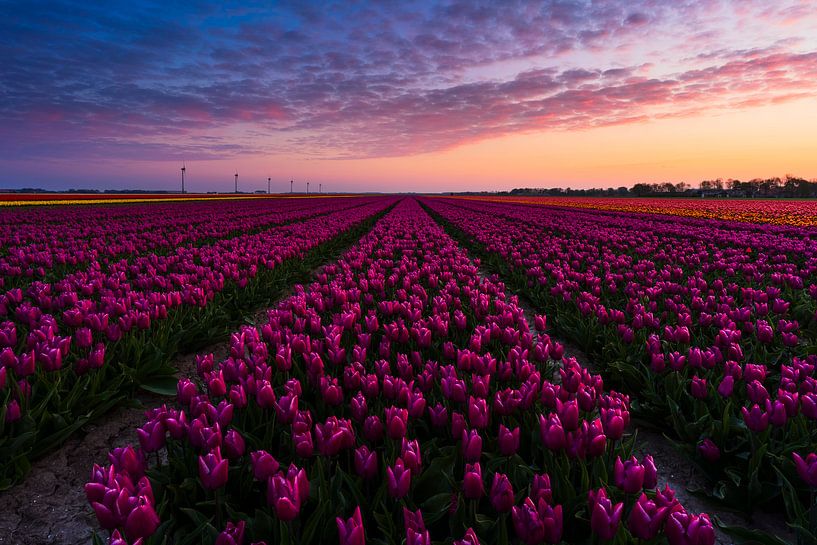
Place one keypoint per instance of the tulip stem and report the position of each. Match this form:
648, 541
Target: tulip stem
218, 498
812, 513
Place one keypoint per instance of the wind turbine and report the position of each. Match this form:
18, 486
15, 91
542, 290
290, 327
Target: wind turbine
183, 169
236, 181
290, 185
269, 182
307, 188
320, 188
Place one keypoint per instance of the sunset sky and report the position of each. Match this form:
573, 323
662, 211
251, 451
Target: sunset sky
399, 96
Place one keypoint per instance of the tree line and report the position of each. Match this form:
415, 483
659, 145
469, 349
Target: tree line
788, 187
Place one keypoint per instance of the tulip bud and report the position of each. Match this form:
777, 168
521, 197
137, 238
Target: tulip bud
470, 538
233, 534
472, 486
373, 429
471, 446
478, 412
152, 436
396, 422
350, 531
646, 518
807, 469
552, 432
142, 521
365, 462
709, 450
541, 489
508, 440
727, 386
756, 419
604, 516
410, 453
233, 445
650, 472
264, 465
684, 528
698, 388
213, 470
13, 412
398, 479
535, 523
501, 494
629, 475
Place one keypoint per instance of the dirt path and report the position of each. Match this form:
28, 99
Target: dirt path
674, 468
49, 507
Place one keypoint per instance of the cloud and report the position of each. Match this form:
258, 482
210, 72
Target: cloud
359, 80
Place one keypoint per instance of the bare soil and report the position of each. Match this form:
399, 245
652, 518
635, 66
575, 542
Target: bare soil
674, 468
49, 506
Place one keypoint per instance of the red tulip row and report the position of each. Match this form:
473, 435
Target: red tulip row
45, 244
70, 349
711, 325
402, 388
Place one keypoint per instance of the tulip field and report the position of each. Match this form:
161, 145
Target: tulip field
412, 379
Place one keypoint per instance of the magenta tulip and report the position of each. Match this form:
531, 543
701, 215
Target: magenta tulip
264, 465
604, 516
646, 518
684, 528
472, 485
350, 531
398, 478
501, 494
537, 523
508, 440
629, 475
807, 469
213, 470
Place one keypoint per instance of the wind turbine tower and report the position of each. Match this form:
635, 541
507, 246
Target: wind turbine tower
183, 169
236, 182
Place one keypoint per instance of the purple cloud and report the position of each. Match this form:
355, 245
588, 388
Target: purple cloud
359, 80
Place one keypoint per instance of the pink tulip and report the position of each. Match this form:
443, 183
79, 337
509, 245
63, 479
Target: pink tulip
604, 516
686, 529
807, 469
508, 440
350, 531
213, 470
398, 479
502, 496
472, 485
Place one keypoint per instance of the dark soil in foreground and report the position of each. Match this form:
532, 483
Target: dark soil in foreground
49, 507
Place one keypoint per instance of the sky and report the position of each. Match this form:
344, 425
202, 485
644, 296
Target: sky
405, 96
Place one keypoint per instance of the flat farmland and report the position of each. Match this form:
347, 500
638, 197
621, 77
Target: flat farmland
408, 369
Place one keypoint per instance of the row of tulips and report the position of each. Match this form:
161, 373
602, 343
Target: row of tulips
72, 349
796, 213
710, 325
399, 396
46, 244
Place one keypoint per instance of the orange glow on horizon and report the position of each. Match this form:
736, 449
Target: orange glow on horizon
748, 143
